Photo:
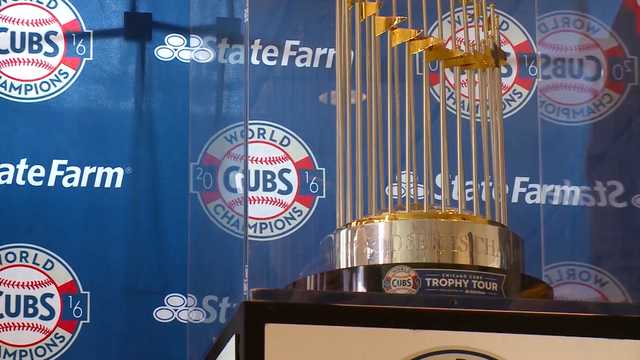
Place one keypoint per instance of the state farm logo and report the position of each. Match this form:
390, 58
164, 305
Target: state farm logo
43, 48
584, 282
176, 46
518, 75
181, 308
61, 174
223, 50
42, 305
284, 184
186, 310
586, 70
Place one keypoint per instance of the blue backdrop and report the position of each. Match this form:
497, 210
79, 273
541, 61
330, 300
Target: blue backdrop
121, 144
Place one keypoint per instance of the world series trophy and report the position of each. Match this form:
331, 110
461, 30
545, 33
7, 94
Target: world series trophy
393, 234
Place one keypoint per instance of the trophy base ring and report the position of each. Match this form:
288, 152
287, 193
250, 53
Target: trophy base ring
381, 278
438, 237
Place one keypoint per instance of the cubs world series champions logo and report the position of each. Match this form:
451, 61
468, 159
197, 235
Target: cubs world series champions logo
42, 304
284, 185
518, 75
584, 282
586, 70
43, 47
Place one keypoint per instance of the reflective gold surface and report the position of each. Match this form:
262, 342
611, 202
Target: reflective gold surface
436, 238
418, 214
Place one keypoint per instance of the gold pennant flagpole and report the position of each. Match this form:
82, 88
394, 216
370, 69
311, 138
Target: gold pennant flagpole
412, 116
494, 76
373, 96
347, 60
444, 142
407, 124
471, 85
500, 127
390, 151
359, 116
339, 113
408, 114
369, 93
396, 100
378, 71
427, 175
459, 149
484, 122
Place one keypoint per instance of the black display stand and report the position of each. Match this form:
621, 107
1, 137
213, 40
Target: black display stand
532, 317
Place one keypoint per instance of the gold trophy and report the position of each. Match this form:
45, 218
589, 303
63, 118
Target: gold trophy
393, 234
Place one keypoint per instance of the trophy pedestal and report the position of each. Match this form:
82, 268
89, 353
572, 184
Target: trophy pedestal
426, 253
286, 324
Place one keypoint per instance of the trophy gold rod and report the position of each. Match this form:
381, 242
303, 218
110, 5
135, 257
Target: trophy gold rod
427, 162
379, 125
497, 90
494, 121
359, 115
414, 150
378, 70
458, 91
444, 145
408, 115
494, 143
339, 114
484, 124
493, 109
370, 93
374, 120
389, 125
414, 147
347, 59
412, 113
500, 120
396, 100
471, 85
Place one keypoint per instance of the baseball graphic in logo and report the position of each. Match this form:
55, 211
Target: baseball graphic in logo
284, 184
518, 75
43, 48
585, 69
42, 305
401, 279
455, 354
584, 282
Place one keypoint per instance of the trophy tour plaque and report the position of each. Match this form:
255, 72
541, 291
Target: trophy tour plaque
394, 233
